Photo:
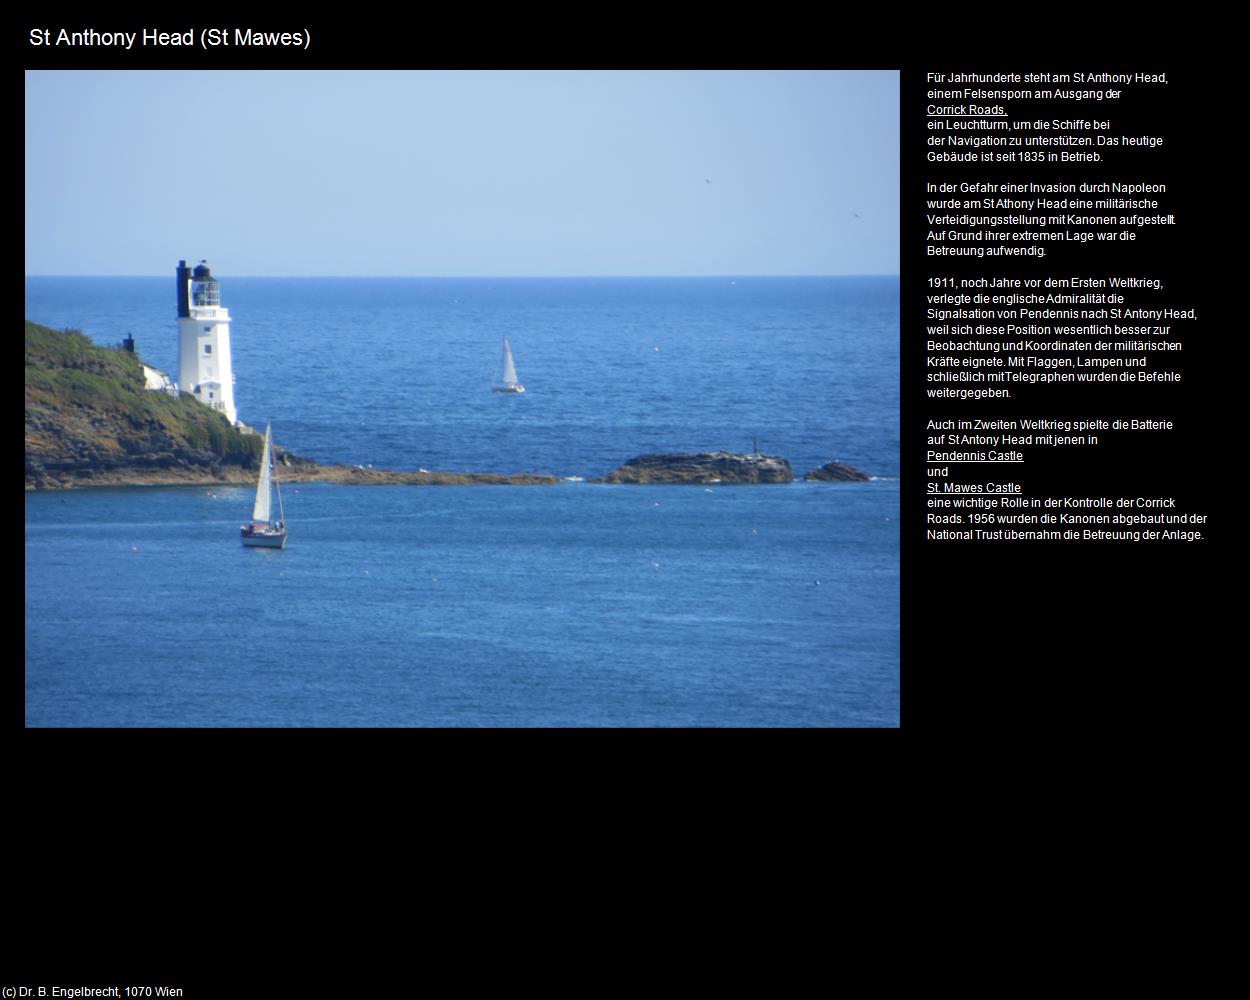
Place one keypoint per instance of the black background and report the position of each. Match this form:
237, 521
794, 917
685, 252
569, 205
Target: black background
1050, 676
1017, 659
1070, 638
995, 636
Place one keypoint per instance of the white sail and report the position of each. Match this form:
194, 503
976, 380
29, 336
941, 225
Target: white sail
509, 369
260, 512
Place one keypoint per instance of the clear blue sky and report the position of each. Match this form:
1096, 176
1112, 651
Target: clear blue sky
463, 173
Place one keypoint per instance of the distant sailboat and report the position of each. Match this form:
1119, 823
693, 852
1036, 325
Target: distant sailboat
264, 532
510, 384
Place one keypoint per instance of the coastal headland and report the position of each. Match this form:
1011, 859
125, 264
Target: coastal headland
90, 421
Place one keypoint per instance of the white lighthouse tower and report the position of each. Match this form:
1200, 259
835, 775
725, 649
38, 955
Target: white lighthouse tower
204, 340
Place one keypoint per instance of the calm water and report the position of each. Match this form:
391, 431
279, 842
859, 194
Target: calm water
570, 605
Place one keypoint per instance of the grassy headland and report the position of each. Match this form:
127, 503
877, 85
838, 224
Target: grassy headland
91, 422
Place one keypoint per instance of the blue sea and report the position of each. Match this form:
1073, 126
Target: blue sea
570, 605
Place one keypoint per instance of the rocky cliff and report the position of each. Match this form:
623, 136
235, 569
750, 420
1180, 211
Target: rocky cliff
89, 419
91, 422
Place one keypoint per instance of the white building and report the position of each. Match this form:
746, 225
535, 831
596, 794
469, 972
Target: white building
155, 380
204, 340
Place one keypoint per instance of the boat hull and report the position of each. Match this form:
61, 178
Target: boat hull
508, 388
265, 540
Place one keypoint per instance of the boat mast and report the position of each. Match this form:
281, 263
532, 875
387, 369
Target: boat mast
278, 486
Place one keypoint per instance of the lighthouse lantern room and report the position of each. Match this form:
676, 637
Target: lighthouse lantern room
204, 340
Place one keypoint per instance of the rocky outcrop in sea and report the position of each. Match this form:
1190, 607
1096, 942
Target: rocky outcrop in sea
704, 467
836, 472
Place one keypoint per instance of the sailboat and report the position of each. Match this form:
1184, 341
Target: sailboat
264, 532
510, 384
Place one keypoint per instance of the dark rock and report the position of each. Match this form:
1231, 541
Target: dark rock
704, 467
836, 472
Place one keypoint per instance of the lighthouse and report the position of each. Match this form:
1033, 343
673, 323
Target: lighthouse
204, 340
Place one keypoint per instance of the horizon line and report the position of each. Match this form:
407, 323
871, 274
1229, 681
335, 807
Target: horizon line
495, 277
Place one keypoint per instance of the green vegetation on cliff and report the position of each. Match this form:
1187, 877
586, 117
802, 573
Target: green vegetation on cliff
91, 422
89, 416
